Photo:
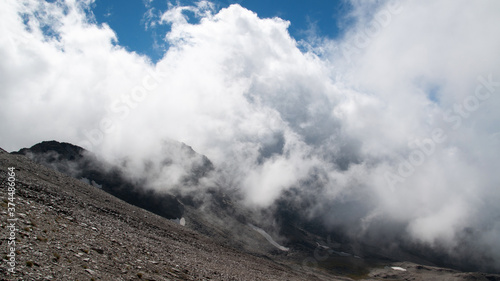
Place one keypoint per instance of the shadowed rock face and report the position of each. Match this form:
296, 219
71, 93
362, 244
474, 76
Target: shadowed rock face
81, 164
57, 151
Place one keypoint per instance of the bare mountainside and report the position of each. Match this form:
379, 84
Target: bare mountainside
69, 230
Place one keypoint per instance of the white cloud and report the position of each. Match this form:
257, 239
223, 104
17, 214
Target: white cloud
57, 85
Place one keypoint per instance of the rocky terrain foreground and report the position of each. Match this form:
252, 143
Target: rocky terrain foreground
69, 230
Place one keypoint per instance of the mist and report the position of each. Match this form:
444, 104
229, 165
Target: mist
392, 130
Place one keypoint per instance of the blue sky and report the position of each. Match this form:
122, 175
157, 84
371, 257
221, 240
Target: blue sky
127, 19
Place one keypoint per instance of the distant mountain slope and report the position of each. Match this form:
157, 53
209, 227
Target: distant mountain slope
208, 211
79, 163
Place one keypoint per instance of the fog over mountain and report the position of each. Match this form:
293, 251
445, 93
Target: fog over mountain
390, 134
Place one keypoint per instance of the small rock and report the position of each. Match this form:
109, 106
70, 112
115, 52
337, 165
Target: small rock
100, 251
90, 271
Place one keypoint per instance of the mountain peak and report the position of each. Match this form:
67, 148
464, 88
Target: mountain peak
66, 151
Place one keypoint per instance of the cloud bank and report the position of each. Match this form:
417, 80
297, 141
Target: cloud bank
393, 129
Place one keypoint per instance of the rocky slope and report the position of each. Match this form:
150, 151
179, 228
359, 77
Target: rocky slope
69, 230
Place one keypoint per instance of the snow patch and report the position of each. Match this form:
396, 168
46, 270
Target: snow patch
268, 237
180, 221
